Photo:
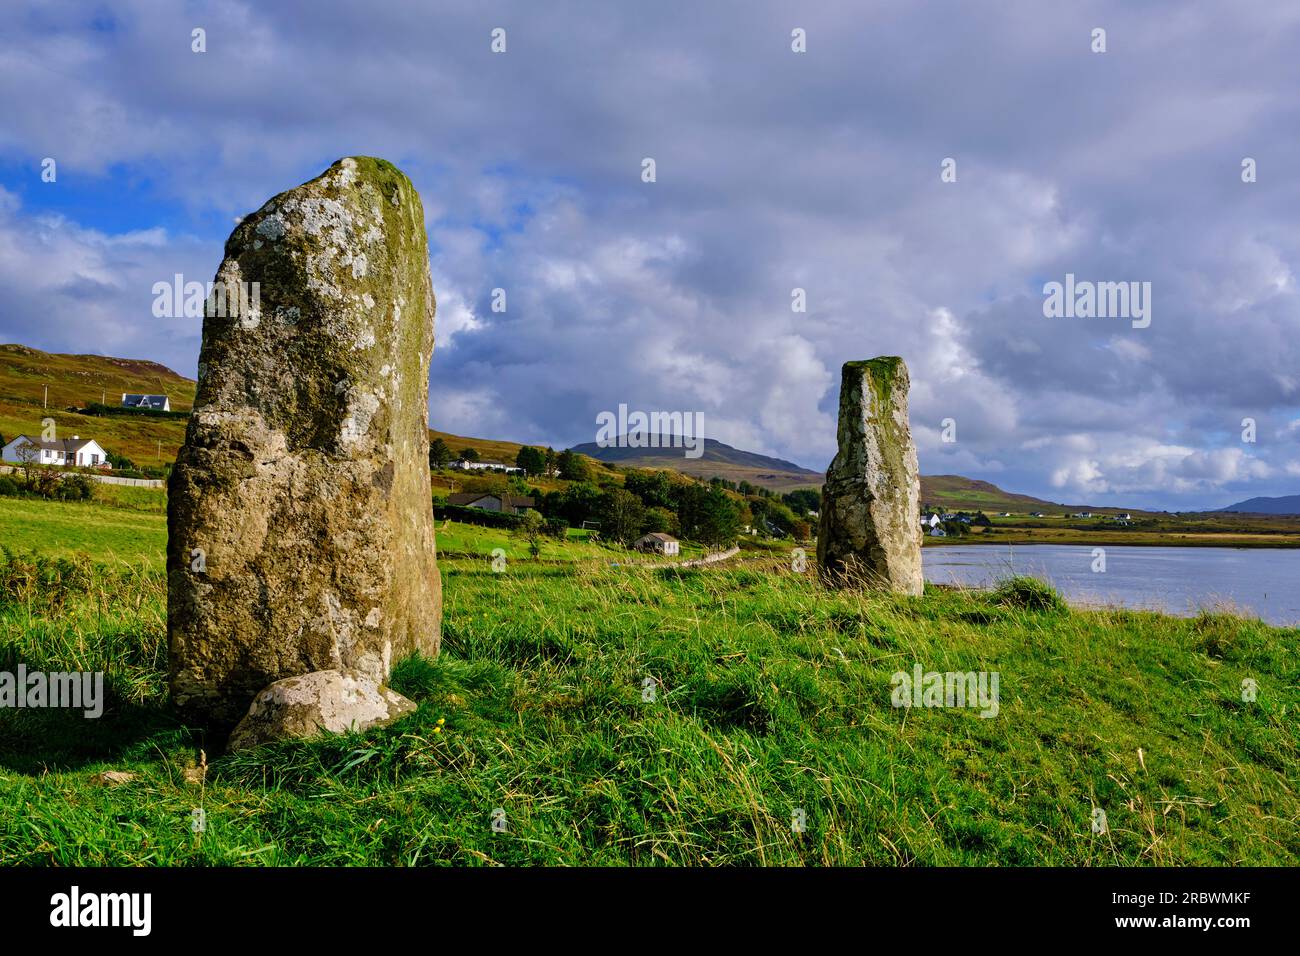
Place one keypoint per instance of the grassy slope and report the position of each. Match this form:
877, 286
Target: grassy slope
956, 492
75, 380
772, 694
130, 526
107, 534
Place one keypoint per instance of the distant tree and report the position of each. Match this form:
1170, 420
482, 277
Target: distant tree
532, 461
578, 503
439, 454
551, 504
656, 489
531, 528
76, 487
469, 454
709, 515
621, 515
803, 500
572, 466
29, 457
771, 516
552, 461
659, 520
118, 461
982, 520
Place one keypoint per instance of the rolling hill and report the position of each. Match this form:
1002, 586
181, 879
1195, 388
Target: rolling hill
718, 460
1285, 505
734, 464
77, 380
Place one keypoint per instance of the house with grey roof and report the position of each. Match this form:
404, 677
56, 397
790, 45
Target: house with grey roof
74, 452
157, 403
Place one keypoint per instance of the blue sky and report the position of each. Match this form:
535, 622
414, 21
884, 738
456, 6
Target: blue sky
775, 170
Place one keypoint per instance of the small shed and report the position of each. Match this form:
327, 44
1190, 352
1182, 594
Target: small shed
658, 542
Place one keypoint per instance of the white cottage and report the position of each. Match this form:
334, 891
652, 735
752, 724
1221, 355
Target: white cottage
157, 403
74, 452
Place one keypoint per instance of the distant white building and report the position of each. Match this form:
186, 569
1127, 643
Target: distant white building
157, 403
938, 533
930, 521
74, 452
464, 464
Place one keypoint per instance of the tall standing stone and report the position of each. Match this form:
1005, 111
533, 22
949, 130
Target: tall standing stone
299, 518
870, 524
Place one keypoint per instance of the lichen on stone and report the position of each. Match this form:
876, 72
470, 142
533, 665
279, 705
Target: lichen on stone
869, 503
304, 472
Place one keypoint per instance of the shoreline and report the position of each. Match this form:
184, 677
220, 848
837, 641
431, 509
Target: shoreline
1172, 541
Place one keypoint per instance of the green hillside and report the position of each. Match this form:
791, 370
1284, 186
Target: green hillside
75, 381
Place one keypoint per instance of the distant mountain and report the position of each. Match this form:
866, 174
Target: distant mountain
777, 474
718, 459
1285, 505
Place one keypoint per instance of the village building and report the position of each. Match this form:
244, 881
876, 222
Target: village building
74, 452
505, 504
157, 403
464, 464
658, 543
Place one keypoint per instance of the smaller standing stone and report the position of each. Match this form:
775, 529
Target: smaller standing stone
329, 701
869, 528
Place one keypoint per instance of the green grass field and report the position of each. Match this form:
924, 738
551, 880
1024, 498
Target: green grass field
116, 534
129, 525
770, 695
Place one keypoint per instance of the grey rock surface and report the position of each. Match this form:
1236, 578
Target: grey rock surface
300, 529
869, 529
317, 703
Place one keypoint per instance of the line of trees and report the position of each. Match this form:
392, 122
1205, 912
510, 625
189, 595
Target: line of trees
648, 501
